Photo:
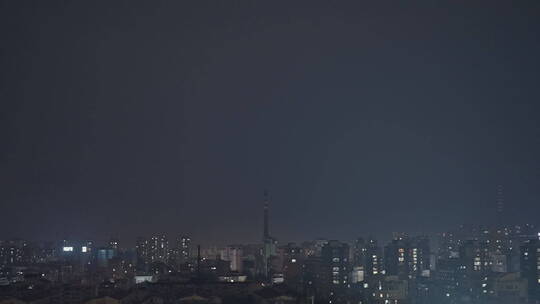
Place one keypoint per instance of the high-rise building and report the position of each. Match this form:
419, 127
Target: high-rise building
141, 253
359, 253
530, 268
180, 253
184, 244
407, 257
448, 246
336, 268
374, 262
447, 280
293, 264
158, 249
233, 254
368, 256
315, 277
474, 257
397, 258
420, 252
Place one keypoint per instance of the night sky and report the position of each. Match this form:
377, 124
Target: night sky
127, 118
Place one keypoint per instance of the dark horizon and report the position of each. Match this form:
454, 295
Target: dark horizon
129, 118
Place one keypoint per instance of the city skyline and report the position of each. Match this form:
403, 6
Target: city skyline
267, 152
498, 220
465, 265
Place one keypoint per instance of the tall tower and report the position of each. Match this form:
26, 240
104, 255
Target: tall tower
269, 244
499, 200
266, 233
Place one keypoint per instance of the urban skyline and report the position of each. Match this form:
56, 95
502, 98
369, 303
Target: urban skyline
499, 264
306, 152
494, 216
494, 219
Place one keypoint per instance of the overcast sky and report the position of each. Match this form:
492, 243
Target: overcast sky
129, 118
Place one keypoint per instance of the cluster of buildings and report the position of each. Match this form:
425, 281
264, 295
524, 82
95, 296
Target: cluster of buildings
496, 265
